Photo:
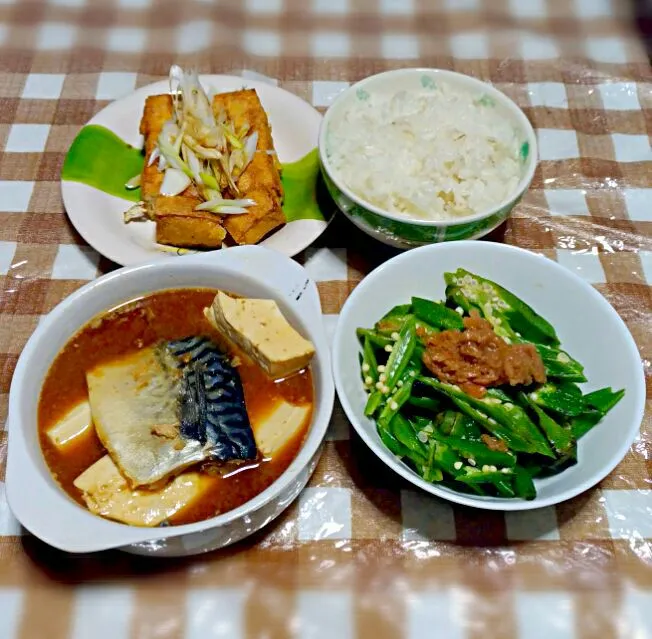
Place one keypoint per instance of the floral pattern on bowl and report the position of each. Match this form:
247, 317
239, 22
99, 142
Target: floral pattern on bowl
405, 234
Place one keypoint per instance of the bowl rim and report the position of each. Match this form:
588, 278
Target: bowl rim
507, 102
307, 307
390, 460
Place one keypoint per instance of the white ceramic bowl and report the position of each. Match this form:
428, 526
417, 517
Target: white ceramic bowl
45, 510
588, 327
401, 231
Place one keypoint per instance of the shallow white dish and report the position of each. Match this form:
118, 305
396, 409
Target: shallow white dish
98, 217
45, 510
588, 327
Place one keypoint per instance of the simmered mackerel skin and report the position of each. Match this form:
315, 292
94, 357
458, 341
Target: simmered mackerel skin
212, 409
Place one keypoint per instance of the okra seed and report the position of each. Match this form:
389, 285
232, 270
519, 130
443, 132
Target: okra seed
534, 397
399, 383
413, 374
486, 468
492, 421
381, 369
383, 377
507, 471
493, 469
508, 406
379, 386
458, 465
429, 429
422, 437
388, 348
395, 336
385, 390
393, 405
365, 368
472, 461
460, 310
368, 381
563, 358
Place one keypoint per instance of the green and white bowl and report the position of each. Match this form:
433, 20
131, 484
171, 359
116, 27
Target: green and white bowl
398, 230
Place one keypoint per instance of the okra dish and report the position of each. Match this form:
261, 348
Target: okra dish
475, 391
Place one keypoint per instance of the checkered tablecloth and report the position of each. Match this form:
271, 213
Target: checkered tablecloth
359, 554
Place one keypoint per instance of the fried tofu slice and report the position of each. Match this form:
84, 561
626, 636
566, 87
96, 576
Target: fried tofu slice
261, 181
259, 328
178, 224
157, 111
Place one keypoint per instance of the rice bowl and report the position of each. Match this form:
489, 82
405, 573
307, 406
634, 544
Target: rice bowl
439, 153
416, 156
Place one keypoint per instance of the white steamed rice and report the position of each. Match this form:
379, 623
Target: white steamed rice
432, 155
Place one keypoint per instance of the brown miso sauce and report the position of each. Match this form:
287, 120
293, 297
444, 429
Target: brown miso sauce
168, 315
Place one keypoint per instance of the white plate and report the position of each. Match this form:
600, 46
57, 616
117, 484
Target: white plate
97, 216
588, 327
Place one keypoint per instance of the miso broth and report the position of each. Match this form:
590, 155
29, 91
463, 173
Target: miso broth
168, 315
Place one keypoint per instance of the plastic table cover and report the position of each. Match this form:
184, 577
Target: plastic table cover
359, 554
